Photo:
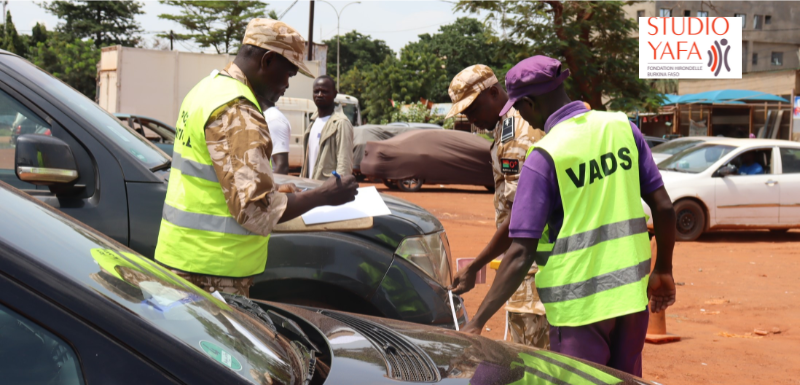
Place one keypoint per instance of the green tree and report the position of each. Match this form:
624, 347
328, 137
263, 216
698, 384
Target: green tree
415, 75
12, 42
80, 71
106, 22
355, 50
218, 24
593, 39
461, 44
38, 35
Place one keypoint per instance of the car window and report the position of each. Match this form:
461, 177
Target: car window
790, 160
109, 126
349, 110
30, 354
226, 335
675, 146
16, 120
695, 160
754, 162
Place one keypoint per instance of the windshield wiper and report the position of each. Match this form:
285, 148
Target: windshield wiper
163, 166
250, 307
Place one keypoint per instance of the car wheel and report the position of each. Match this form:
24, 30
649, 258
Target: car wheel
779, 231
392, 185
410, 185
691, 220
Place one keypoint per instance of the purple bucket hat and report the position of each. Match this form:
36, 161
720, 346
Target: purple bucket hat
535, 75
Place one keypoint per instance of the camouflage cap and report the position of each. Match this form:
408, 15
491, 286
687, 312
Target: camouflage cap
467, 85
279, 37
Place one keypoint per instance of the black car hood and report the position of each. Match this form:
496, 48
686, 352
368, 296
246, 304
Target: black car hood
371, 350
401, 209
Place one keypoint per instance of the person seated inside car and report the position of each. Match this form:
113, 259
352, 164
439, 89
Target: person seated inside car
749, 165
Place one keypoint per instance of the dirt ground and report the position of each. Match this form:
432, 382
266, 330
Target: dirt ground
729, 285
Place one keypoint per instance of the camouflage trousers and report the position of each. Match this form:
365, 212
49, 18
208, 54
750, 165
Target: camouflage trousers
529, 329
527, 323
210, 283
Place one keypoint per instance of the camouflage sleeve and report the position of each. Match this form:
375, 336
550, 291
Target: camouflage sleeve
517, 149
240, 147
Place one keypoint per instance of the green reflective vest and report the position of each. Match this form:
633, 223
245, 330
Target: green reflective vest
543, 367
198, 233
600, 263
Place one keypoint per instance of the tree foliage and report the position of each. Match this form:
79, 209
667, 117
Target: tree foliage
593, 39
218, 24
355, 50
415, 75
80, 71
106, 22
459, 45
12, 41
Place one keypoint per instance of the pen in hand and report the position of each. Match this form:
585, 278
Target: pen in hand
336, 174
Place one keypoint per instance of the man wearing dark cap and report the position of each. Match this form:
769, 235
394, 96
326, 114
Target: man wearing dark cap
222, 202
584, 180
477, 94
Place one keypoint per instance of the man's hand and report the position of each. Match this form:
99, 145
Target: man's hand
660, 291
337, 191
464, 281
472, 328
288, 188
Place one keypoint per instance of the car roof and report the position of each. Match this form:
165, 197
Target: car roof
747, 142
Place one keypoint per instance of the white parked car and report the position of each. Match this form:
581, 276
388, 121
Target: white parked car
734, 184
665, 150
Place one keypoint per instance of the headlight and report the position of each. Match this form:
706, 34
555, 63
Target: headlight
431, 253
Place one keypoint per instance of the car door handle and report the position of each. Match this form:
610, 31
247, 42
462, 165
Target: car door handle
771, 182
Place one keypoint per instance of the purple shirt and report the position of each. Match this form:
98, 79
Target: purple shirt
538, 200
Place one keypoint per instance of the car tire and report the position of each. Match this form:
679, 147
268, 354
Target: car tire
778, 231
410, 185
392, 185
690, 220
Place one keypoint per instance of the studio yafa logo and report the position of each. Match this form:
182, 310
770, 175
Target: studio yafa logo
716, 58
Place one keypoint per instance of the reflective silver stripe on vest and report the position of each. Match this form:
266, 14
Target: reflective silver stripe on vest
601, 234
545, 376
596, 284
195, 169
206, 222
582, 374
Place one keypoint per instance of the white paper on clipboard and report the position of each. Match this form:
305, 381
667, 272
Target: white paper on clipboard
368, 203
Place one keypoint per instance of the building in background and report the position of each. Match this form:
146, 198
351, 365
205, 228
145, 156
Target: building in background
770, 64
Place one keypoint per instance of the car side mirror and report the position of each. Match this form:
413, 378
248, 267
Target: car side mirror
44, 160
727, 171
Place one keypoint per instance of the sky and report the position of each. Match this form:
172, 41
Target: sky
395, 22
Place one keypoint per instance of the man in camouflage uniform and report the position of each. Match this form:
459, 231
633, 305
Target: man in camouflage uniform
476, 93
240, 146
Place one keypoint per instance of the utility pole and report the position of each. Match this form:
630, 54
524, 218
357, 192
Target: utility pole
338, 34
311, 31
5, 2
171, 38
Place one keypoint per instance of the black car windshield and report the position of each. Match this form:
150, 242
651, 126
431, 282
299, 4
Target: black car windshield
229, 337
675, 146
107, 124
696, 159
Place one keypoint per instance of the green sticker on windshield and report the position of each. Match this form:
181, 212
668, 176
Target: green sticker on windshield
220, 355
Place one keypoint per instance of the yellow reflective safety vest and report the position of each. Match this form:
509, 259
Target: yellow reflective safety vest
198, 233
600, 262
